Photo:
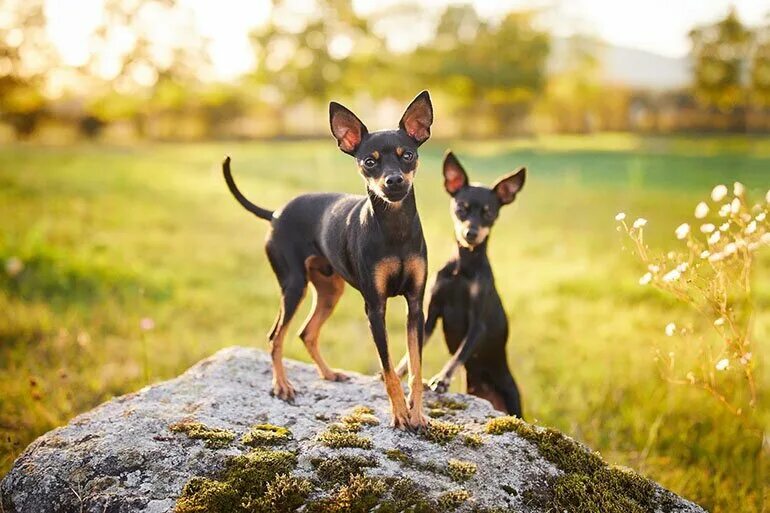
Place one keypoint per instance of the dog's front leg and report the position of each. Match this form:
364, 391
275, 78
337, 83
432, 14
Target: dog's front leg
434, 312
375, 312
415, 330
440, 382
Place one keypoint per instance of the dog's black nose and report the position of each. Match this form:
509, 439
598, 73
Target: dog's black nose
471, 234
396, 179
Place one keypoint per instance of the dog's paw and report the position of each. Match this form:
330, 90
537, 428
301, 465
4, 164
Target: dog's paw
439, 384
283, 390
418, 421
337, 376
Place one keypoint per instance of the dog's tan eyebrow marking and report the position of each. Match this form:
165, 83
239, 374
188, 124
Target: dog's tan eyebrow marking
399, 151
376, 155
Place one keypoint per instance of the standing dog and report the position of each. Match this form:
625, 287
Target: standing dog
373, 242
464, 295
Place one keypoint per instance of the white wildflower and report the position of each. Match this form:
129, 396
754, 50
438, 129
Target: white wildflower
672, 275
701, 210
735, 206
640, 222
705, 253
714, 238
719, 192
682, 231
724, 227
761, 217
738, 189
767, 196
644, 280
716, 257
724, 210
745, 359
719, 322
751, 228
620, 216
682, 267
707, 228
730, 248
722, 364
670, 329
765, 238
753, 246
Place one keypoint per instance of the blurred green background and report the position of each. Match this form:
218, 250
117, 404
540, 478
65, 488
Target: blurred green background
126, 260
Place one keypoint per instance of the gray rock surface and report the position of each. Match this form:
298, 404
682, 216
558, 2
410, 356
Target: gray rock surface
122, 456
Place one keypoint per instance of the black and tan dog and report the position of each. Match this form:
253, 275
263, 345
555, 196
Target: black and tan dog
464, 294
373, 242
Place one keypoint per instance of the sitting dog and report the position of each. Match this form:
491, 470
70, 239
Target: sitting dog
464, 294
374, 242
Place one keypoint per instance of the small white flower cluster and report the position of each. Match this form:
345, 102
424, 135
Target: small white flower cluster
717, 257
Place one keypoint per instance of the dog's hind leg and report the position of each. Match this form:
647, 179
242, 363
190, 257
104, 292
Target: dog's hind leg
327, 290
293, 284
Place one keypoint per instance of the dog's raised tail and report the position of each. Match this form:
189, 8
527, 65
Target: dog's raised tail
260, 212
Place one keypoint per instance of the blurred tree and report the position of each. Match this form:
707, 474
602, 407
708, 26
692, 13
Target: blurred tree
575, 95
144, 75
494, 73
760, 67
25, 54
719, 52
313, 56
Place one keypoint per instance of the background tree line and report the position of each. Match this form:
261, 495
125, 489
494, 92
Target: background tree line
491, 78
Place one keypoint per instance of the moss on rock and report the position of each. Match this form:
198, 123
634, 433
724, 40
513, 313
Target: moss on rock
447, 403
249, 481
339, 469
266, 434
453, 499
337, 438
473, 440
588, 483
460, 471
214, 438
441, 432
201, 495
360, 495
361, 415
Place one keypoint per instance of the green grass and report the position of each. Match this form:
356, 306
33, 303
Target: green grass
109, 236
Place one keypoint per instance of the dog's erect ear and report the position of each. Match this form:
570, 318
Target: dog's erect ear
346, 128
508, 186
455, 177
418, 118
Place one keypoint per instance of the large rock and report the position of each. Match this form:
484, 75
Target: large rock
137, 452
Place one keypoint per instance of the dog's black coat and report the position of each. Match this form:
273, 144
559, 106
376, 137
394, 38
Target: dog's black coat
374, 243
464, 296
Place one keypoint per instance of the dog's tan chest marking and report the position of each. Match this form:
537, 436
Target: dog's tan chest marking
412, 267
383, 271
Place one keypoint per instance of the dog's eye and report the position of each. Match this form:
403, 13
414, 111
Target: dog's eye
369, 162
487, 212
408, 156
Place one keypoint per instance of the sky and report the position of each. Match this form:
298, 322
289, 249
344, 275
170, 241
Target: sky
658, 26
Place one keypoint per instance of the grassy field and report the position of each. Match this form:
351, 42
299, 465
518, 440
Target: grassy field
111, 236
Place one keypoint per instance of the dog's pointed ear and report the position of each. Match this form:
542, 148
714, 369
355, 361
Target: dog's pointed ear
346, 128
417, 118
508, 186
455, 177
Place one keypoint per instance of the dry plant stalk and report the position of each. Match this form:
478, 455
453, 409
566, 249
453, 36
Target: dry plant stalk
711, 273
